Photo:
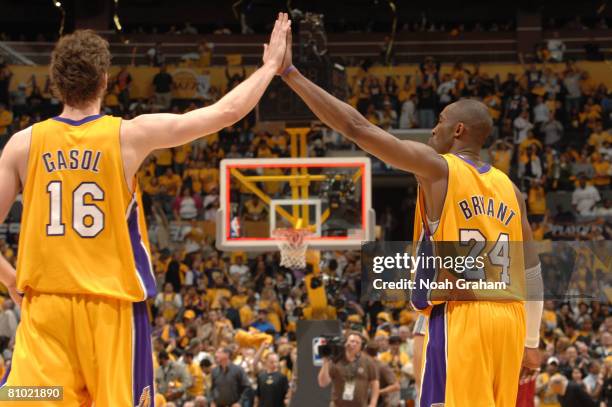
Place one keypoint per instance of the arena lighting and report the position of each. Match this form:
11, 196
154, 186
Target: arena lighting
116, 16
58, 4
389, 50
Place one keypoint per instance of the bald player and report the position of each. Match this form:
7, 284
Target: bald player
474, 349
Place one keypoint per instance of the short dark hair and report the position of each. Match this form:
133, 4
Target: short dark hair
395, 340
79, 64
372, 348
162, 355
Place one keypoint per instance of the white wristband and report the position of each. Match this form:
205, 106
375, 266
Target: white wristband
533, 305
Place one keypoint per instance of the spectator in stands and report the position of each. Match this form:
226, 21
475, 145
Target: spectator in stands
180, 155
530, 167
229, 381
584, 196
446, 91
394, 358
262, 322
536, 201
168, 302
197, 376
556, 47
123, 82
239, 272
552, 129
530, 141
521, 126
171, 378
541, 112
162, 88
187, 206
494, 104
545, 394
583, 165
599, 136
533, 75
171, 182
272, 385
572, 76
570, 393
388, 116
6, 119
389, 385
601, 167
408, 115
426, 101
254, 209
8, 319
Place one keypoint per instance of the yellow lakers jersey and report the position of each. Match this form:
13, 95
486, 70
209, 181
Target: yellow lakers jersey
81, 224
482, 214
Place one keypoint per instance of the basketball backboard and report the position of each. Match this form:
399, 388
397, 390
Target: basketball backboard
329, 196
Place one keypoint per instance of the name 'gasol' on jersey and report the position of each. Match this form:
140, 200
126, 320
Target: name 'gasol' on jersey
74, 159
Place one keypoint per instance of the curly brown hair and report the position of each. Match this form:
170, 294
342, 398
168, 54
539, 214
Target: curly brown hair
79, 64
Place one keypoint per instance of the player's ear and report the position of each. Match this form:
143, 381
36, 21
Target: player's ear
459, 129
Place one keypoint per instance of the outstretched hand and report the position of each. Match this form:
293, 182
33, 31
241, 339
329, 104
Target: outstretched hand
288, 59
274, 51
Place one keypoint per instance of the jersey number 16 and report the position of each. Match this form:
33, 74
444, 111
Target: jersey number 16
87, 218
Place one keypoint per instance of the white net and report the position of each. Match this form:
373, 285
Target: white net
292, 244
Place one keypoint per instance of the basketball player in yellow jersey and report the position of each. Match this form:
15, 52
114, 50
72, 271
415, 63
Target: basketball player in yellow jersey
82, 271
475, 348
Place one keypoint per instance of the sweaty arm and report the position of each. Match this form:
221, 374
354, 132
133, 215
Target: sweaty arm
533, 280
411, 156
13, 164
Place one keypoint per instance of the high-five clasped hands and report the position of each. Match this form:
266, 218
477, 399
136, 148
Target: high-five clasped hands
280, 41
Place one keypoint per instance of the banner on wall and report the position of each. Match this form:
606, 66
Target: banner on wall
190, 84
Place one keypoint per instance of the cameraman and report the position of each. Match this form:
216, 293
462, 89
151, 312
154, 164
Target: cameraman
353, 377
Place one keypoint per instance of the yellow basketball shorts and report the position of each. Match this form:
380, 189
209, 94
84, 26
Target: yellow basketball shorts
472, 354
98, 349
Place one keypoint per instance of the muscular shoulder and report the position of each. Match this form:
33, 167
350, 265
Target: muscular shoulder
19, 143
16, 151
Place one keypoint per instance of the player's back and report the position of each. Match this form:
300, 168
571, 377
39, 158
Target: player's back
478, 198
80, 231
482, 215
481, 211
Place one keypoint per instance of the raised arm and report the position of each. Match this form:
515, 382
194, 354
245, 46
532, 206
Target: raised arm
149, 132
415, 157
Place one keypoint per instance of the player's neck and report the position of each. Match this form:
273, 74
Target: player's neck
78, 113
468, 152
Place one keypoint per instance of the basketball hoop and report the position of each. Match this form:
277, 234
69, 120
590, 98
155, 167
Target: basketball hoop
292, 244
